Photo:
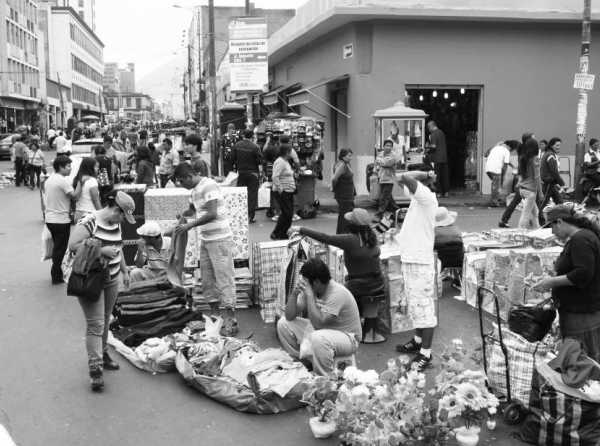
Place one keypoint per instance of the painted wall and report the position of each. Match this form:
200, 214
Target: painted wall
526, 71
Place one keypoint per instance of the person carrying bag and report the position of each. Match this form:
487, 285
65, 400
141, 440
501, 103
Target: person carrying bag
88, 273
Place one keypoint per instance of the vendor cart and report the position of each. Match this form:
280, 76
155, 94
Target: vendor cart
406, 127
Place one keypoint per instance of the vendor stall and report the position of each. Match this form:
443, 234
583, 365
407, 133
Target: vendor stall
405, 126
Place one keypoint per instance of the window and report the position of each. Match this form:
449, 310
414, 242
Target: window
81, 39
81, 67
81, 3
128, 101
83, 95
138, 103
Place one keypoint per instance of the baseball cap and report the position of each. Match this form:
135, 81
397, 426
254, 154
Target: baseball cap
127, 205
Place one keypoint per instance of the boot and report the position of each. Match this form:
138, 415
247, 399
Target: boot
109, 363
96, 379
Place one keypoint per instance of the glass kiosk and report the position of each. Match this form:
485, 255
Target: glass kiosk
405, 126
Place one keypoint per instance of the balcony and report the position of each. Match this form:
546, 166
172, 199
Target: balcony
15, 52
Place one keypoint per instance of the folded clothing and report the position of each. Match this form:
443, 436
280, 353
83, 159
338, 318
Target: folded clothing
149, 296
151, 305
128, 318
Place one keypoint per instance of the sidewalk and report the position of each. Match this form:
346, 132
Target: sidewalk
456, 199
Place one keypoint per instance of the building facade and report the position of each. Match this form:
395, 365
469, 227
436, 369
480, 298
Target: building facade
86, 9
127, 78
132, 106
485, 71
110, 80
22, 66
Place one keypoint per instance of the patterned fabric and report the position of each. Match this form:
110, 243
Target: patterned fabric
268, 260
522, 355
192, 250
236, 210
473, 276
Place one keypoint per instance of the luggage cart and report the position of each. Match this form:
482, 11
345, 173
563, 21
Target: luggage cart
513, 411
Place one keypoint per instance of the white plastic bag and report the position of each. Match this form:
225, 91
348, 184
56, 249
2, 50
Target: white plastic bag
264, 195
47, 244
230, 180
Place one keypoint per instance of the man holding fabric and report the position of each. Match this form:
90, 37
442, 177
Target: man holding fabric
416, 240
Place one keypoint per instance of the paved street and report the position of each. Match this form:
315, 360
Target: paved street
44, 393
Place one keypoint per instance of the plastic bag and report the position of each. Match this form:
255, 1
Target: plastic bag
47, 244
164, 363
230, 180
264, 195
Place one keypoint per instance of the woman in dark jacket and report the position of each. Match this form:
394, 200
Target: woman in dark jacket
145, 168
552, 182
343, 188
361, 256
576, 286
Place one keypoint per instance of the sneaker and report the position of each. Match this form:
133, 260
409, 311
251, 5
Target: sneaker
109, 363
96, 380
275, 218
503, 225
421, 362
410, 347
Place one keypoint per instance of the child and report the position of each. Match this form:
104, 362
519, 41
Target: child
151, 259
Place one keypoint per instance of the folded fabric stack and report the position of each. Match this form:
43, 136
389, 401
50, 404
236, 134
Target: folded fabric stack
268, 263
150, 309
243, 289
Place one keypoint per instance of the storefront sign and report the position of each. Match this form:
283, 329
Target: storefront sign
348, 51
584, 81
249, 68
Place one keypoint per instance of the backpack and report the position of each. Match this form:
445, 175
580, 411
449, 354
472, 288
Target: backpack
88, 273
104, 171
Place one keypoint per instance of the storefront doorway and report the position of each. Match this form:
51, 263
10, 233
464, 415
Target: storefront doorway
456, 110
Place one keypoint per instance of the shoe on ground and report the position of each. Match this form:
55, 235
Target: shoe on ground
421, 362
57, 281
109, 363
503, 225
251, 220
275, 218
96, 380
408, 348
230, 327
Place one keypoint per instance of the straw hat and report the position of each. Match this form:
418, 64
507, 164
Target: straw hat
444, 217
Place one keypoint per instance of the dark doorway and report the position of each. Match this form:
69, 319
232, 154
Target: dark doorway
456, 112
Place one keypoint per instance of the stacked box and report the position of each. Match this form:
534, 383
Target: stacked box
473, 276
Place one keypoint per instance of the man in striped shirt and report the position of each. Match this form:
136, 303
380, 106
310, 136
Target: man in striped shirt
216, 259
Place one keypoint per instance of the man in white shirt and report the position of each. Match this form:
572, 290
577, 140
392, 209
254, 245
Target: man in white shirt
496, 164
59, 192
61, 143
416, 239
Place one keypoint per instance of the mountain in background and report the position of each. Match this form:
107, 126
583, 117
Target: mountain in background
164, 84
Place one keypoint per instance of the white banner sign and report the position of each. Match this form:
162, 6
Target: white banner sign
248, 56
584, 81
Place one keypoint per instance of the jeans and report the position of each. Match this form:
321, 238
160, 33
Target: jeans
250, 181
216, 266
19, 171
495, 177
286, 204
511, 207
343, 207
164, 179
530, 212
443, 179
34, 176
60, 238
550, 190
386, 200
97, 315
326, 344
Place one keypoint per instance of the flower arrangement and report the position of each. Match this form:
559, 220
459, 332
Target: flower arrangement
320, 398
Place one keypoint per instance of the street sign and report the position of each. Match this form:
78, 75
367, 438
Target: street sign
248, 56
584, 81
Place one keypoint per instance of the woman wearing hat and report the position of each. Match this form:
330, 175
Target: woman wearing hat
361, 256
105, 226
150, 260
576, 286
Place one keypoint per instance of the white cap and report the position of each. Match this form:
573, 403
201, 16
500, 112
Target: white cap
149, 229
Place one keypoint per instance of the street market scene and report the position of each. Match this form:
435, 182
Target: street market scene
299, 222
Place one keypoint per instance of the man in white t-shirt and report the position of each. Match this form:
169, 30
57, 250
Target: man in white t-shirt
496, 164
59, 192
61, 143
415, 240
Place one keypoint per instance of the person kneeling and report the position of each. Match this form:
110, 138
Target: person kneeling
332, 328
150, 259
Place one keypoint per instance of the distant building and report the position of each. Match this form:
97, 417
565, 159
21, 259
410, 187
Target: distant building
110, 80
22, 83
86, 9
127, 79
134, 106
119, 79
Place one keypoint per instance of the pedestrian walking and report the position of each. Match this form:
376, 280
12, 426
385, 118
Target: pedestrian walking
552, 182
386, 172
89, 200
343, 189
496, 166
247, 161
59, 192
104, 225
192, 145
416, 241
168, 161
61, 144
284, 186
437, 145
270, 154
20, 157
105, 177
35, 165
216, 259
529, 184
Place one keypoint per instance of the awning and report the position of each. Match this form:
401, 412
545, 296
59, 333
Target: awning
241, 98
272, 97
304, 95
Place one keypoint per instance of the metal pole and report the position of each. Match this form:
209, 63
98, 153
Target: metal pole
212, 87
190, 89
249, 104
201, 119
584, 65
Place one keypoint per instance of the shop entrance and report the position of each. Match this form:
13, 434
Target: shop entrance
456, 110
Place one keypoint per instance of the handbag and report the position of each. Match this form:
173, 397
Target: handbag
88, 285
532, 322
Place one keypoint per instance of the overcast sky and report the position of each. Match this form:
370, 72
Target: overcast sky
148, 32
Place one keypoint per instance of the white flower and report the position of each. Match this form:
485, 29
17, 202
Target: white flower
421, 383
492, 410
457, 343
369, 377
404, 359
351, 374
360, 394
380, 392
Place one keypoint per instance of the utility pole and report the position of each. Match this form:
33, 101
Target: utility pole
584, 65
185, 97
190, 89
249, 104
212, 87
200, 65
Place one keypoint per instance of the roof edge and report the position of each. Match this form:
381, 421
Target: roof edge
79, 19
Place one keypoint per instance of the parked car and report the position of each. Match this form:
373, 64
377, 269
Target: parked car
6, 143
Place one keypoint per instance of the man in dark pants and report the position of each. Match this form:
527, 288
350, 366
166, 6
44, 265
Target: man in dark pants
437, 144
59, 193
247, 160
270, 154
20, 156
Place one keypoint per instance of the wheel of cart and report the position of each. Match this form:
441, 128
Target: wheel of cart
513, 411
